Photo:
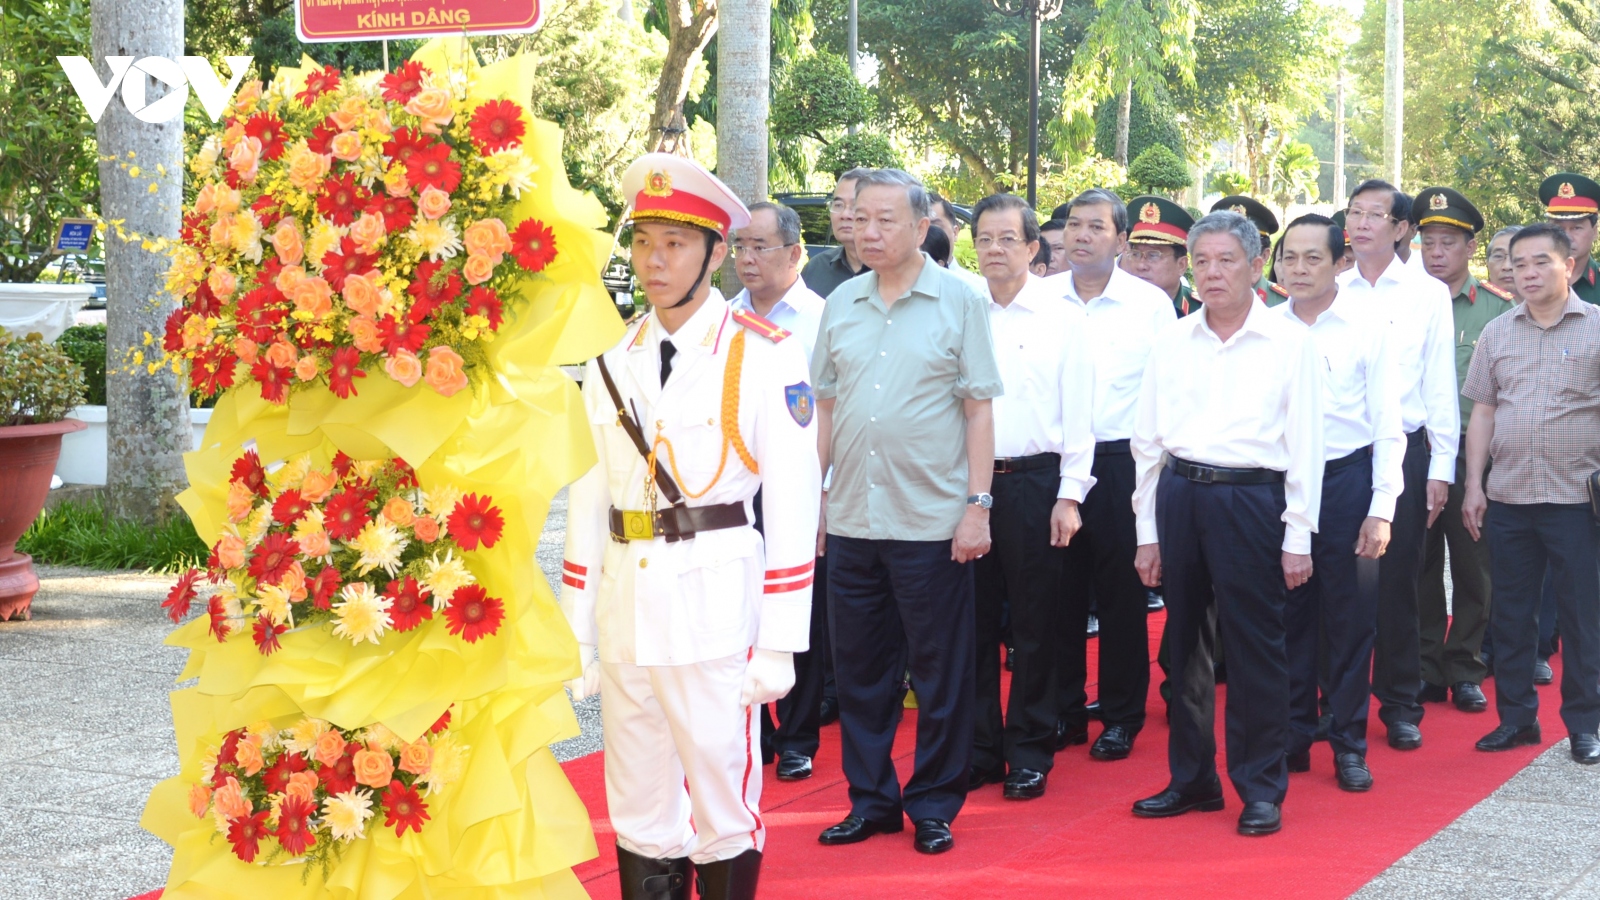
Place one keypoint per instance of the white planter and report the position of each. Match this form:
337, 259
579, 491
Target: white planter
83, 453
46, 308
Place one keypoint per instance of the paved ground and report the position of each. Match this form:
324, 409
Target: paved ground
85, 732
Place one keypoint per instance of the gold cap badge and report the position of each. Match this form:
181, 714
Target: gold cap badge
1438, 201
658, 184
1150, 214
1566, 190
1239, 208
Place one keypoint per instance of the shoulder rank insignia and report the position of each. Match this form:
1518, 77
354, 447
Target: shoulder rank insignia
1280, 290
801, 402
764, 328
1498, 291
638, 325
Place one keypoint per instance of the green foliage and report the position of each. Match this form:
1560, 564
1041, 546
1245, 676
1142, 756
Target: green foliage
1137, 45
38, 382
1150, 122
1293, 173
86, 345
85, 534
1230, 183
1159, 170
48, 167
866, 149
818, 95
1061, 183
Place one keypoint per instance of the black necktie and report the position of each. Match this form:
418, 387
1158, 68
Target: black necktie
667, 353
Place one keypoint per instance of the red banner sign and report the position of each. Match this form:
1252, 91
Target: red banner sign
372, 20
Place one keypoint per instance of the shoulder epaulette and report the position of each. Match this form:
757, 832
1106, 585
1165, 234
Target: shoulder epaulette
1280, 290
637, 327
1498, 291
759, 325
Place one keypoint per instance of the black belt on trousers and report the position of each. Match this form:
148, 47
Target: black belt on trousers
1350, 459
1113, 448
675, 523
1222, 474
1005, 465
1417, 437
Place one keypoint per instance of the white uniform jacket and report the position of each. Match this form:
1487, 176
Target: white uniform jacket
720, 593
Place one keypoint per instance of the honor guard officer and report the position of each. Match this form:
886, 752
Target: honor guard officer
1156, 249
1452, 640
696, 617
1265, 222
1573, 202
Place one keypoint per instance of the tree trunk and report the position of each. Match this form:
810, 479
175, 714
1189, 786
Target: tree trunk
744, 77
1124, 114
690, 25
946, 131
1394, 87
148, 427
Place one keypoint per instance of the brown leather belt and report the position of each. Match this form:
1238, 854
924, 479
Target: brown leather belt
675, 523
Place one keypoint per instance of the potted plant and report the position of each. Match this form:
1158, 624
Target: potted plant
39, 385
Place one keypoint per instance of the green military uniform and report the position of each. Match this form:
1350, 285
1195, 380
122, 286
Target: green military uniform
1267, 224
1568, 195
1158, 221
1451, 648
1186, 302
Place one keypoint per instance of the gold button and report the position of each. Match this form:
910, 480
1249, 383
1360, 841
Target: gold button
711, 422
644, 563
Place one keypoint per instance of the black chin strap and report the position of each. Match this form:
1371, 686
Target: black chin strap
705, 266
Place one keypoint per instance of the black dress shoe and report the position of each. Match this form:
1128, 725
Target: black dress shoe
854, 830
829, 712
1352, 773
1153, 602
1507, 737
1542, 674
1469, 697
1094, 626
1324, 727
793, 766
1171, 802
1585, 749
1093, 709
933, 836
1405, 736
1260, 818
1025, 784
1300, 762
977, 778
1433, 693
1071, 735
1116, 742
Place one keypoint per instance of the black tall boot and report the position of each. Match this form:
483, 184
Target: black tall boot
730, 879
645, 878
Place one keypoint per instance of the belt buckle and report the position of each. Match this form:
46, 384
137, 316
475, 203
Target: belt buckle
637, 525
1002, 466
1202, 474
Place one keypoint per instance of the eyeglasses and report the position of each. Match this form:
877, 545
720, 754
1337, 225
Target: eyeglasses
1006, 242
838, 204
1151, 256
1353, 216
742, 250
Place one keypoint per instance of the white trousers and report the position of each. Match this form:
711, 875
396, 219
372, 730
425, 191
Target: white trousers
682, 775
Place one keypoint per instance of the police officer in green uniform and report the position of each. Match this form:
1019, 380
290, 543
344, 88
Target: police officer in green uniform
1573, 202
1158, 249
1452, 662
1266, 223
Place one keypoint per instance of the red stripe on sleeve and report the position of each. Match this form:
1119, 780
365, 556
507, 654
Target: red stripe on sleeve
574, 568
774, 574
787, 586
575, 582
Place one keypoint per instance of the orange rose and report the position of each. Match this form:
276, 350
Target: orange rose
416, 758
230, 551
478, 269
404, 367
307, 169
281, 355
245, 158
315, 545
432, 106
294, 581
398, 511
487, 237
223, 283
230, 800
199, 800
373, 768
241, 500
313, 295
228, 200
395, 183
286, 239
361, 295
364, 334
317, 486
222, 229
346, 146
245, 100
248, 755
330, 746
350, 113
445, 373
302, 785
306, 368
206, 200
246, 350
433, 203
368, 232
233, 134
426, 529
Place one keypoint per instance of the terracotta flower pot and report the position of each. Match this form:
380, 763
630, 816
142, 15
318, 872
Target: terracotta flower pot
27, 458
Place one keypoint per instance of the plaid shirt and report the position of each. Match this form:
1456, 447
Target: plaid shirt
1544, 384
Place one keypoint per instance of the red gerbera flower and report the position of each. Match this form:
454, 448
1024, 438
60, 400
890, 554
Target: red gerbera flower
403, 83
294, 832
271, 559
475, 520
405, 143
397, 212
434, 168
497, 125
321, 139
219, 618
181, 595
274, 380
341, 199
431, 288
267, 210
229, 753
473, 614
345, 515
401, 333
324, 587
194, 231
344, 261
533, 244
403, 808
405, 476
269, 129
483, 301
343, 370
212, 372
266, 635
276, 778
245, 834
204, 303
289, 507
342, 464
232, 178
341, 776
259, 313
318, 83
247, 471
172, 335
411, 606
442, 724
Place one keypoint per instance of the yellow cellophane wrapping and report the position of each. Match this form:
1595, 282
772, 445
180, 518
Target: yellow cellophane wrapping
512, 826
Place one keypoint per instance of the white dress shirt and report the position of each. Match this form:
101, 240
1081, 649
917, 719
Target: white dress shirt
1123, 323
1042, 348
799, 312
1422, 345
1360, 407
1253, 401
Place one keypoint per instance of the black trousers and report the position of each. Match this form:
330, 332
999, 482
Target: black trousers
799, 723
1522, 539
1452, 642
1023, 568
1101, 556
1221, 544
1338, 610
1397, 652
892, 604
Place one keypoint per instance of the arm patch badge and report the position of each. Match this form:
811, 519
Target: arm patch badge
801, 402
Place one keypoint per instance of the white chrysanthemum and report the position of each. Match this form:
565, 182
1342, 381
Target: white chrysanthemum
438, 238
346, 815
302, 737
204, 164
363, 615
275, 603
245, 235
264, 729
449, 763
232, 607
256, 527
441, 500
512, 169
380, 545
208, 765
443, 576
379, 734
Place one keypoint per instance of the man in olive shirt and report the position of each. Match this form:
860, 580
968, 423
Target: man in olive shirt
836, 265
1452, 663
904, 369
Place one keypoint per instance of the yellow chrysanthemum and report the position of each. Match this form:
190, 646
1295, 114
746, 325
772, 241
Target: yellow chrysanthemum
302, 737
346, 815
511, 169
245, 235
204, 163
380, 545
274, 602
289, 476
449, 763
378, 733
325, 236
443, 576
367, 469
255, 528
363, 615
437, 238
264, 729
441, 500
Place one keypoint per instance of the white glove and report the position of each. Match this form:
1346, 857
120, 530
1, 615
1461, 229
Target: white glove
588, 684
769, 675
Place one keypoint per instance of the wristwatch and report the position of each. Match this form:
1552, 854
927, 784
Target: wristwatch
983, 501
